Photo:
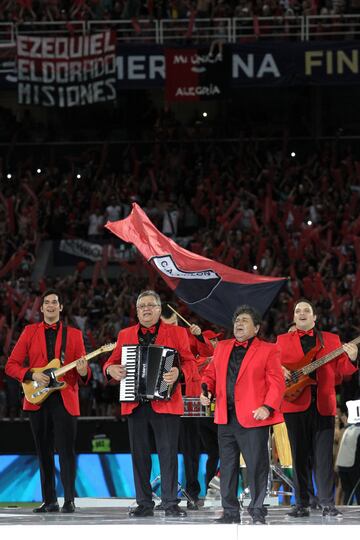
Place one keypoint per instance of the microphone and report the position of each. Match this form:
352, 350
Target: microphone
204, 388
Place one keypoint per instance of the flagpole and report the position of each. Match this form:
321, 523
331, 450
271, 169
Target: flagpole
178, 315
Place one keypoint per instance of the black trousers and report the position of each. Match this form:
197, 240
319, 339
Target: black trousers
209, 438
165, 428
190, 449
311, 434
195, 432
54, 429
349, 478
253, 444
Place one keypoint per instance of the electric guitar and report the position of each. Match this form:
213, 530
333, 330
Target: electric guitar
299, 372
36, 392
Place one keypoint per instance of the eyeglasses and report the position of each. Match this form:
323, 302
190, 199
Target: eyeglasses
144, 306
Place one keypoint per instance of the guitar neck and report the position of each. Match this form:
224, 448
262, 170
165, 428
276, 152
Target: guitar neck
68, 367
327, 358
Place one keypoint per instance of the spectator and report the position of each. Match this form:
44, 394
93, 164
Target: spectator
96, 225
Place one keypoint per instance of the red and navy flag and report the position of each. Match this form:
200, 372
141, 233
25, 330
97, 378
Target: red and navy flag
211, 289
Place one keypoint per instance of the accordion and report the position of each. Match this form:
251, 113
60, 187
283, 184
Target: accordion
145, 369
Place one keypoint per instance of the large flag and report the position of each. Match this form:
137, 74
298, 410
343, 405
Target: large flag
211, 289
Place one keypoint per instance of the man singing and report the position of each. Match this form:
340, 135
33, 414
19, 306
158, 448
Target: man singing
246, 379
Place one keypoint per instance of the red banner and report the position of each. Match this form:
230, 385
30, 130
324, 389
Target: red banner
193, 75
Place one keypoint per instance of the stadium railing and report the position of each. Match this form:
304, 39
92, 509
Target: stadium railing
197, 31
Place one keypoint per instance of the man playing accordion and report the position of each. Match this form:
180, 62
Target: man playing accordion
160, 416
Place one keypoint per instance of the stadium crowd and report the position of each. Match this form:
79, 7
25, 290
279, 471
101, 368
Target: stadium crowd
71, 10
245, 204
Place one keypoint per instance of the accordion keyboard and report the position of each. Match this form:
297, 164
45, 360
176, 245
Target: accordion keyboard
128, 385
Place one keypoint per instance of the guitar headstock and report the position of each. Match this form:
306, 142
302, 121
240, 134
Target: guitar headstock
107, 347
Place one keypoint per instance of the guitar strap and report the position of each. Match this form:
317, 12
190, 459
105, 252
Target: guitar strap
320, 336
63, 344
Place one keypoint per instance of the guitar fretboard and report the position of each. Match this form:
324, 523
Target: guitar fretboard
325, 359
88, 357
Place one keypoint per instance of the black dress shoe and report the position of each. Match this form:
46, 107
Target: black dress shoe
192, 505
258, 519
51, 507
299, 511
68, 507
142, 511
331, 511
228, 518
175, 511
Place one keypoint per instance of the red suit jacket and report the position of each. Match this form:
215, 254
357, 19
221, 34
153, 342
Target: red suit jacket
169, 336
200, 349
31, 346
260, 382
327, 376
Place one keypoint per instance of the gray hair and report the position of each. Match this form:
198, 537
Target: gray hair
149, 293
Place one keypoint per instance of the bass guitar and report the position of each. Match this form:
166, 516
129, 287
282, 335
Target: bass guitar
36, 392
299, 372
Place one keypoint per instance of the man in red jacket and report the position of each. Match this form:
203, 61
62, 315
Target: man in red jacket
310, 418
54, 422
190, 428
162, 417
246, 378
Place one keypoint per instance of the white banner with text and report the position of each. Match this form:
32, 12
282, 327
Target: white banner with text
66, 71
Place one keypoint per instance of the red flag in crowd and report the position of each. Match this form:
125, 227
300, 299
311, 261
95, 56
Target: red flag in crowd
191, 24
34, 309
211, 289
13, 263
256, 26
136, 25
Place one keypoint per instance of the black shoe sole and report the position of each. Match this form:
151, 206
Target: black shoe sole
228, 520
148, 514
